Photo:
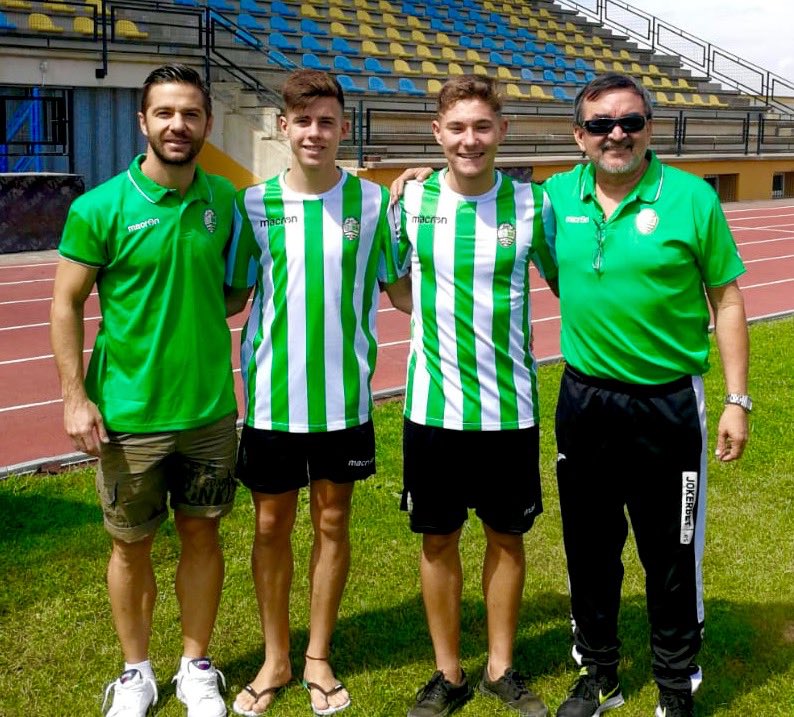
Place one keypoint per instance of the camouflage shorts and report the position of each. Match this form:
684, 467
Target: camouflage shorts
139, 471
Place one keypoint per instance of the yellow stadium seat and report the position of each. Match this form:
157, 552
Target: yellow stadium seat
370, 48
473, 56
397, 50
514, 90
337, 2
362, 4
665, 83
533, 24
16, 4
618, 67
364, 16
309, 11
418, 36
488, 6
391, 20
429, 68
336, 13
543, 12
366, 31
426, 52
337, 28
607, 53
536, 92
600, 66
507, 7
543, 35
129, 30
624, 55
443, 39
636, 69
647, 82
503, 73
679, 99
401, 67
598, 41
387, 6
453, 68
83, 26
480, 70
683, 84
40, 22
571, 51
394, 34
61, 7
552, 25
663, 99
715, 101
433, 86
416, 22
580, 39
698, 100
447, 53
654, 70
570, 27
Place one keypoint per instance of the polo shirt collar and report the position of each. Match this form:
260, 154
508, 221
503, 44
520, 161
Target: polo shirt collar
153, 192
648, 189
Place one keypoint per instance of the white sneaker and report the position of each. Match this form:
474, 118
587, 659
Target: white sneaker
133, 695
197, 688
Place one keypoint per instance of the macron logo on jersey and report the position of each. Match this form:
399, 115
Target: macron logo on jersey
152, 221
424, 219
577, 220
278, 221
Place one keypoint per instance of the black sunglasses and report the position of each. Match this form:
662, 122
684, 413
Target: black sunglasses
604, 125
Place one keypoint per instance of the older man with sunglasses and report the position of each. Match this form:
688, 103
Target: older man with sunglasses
643, 250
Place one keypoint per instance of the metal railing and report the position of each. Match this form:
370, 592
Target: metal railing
695, 53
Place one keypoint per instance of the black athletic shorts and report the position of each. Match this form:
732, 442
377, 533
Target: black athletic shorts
446, 472
278, 461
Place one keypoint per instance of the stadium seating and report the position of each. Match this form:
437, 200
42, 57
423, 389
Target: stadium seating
84, 26
348, 84
406, 86
312, 62
39, 22
377, 85
5, 23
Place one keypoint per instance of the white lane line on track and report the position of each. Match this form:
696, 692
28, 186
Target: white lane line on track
767, 283
31, 301
759, 209
769, 258
29, 266
26, 281
23, 406
763, 241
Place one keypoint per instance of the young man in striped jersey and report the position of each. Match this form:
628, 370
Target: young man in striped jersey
316, 242
469, 234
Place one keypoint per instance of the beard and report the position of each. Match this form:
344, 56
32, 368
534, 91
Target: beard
617, 169
176, 159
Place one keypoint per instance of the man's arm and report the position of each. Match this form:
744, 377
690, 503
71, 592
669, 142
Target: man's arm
397, 187
81, 417
399, 293
235, 299
730, 329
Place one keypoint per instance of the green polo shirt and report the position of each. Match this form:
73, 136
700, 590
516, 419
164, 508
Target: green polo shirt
632, 287
161, 361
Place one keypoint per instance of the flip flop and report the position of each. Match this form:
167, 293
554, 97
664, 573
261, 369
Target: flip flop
257, 696
331, 709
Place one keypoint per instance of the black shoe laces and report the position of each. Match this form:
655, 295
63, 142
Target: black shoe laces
677, 705
433, 690
515, 683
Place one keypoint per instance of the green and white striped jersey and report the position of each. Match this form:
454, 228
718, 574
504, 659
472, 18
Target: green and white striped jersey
310, 342
470, 365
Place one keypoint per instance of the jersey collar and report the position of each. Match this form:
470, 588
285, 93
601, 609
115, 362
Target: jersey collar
648, 189
153, 192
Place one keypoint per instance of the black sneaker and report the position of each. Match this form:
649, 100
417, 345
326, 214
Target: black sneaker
592, 694
439, 698
513, 693
675, 704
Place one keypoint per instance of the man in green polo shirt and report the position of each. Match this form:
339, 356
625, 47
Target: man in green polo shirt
643, 250
157, 405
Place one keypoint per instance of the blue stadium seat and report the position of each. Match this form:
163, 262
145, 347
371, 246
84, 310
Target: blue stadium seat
580, 64
311, 44
527, 75
511, 45
496, 18
187, 3
531, 47
541, 61
348, 84
243, 37
439, 25
572, 78
406, 85
462, 27
505, 31
519, 60
249, 22
477, 16
278, 58
433, 12
221, 5
496, 59
372, 64
279, 8
279, 23
490, 43
342, 63
311, 27
280, 42
312, 62
562, 63
250, 7
339, 44
376, 84
5, 24
552, 49
550, 77
524, 34
455, 14
470, 43
589, 76
560, 94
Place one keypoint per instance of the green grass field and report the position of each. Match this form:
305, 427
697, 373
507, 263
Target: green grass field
58, 649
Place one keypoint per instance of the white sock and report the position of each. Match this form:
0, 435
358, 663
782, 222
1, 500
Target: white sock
145, 668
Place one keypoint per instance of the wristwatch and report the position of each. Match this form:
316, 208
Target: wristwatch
740, 399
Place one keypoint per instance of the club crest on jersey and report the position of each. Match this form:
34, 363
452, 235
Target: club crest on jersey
646, 221
506, 234
351, 228
210, 221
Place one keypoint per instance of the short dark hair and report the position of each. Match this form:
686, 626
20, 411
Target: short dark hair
469, 87
606, 82
176, 72
304, 86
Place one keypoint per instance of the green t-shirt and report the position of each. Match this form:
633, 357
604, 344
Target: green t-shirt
162, 358
632, 295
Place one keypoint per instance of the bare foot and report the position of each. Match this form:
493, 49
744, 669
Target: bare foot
264, 687
319, 672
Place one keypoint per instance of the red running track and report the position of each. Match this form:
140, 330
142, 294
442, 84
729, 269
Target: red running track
30, 405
